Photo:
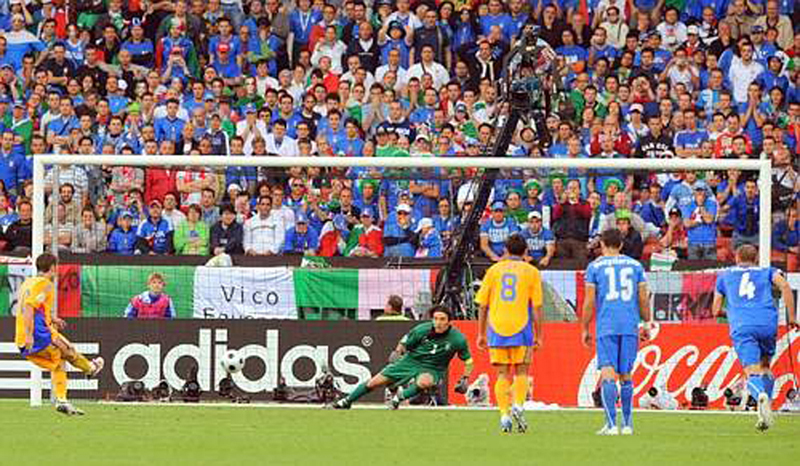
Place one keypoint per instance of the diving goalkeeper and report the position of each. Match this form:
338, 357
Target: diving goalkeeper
421, 357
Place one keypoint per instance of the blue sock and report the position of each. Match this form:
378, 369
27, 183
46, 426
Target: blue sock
626, 396
769, 384
755, 385
609, 389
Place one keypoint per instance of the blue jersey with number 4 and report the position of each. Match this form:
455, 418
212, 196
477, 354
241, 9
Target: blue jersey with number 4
748, 293
616, 282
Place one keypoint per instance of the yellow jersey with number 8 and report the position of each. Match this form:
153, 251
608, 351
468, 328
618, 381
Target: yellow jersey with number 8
511, 289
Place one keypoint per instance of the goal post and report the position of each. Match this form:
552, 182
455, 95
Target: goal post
41, 163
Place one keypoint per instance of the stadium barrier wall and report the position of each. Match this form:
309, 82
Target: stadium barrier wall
679, 358
327, 294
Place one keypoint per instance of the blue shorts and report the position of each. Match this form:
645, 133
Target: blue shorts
42, 336
617, 351
754, 343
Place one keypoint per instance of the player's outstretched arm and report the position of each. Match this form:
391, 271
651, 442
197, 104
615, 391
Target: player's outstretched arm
788, 299
463, 383
588, 313
716, 306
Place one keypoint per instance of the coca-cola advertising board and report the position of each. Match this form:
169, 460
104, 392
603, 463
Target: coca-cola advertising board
678, 358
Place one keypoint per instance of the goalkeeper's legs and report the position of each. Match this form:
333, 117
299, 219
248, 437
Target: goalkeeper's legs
362, 389
423, 382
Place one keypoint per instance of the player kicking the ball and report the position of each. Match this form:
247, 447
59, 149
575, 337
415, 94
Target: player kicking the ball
38, 337
616, 288
753, 320
422, 357
510, 290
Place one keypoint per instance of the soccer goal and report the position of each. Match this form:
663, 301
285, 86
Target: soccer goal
379, 186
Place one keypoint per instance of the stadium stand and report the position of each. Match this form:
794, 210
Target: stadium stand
404, 78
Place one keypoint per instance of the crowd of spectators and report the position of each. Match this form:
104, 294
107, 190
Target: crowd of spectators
394, 78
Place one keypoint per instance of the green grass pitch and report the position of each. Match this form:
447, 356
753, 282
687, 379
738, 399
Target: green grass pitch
198, 435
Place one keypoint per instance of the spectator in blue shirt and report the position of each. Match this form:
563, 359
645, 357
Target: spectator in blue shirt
772, 76
301, 20
352, 145
123, 239
651, 208
301, 239
430, 241
154, 235
600, 48
7, 214
170, 127
786, 234
398, 235
700, 219
226, 66
495, 231
541, 241
12, 162
744, 215
444, 221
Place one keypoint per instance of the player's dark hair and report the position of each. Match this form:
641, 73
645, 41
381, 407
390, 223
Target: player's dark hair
396, 303
747, 254
45, 262
441, 308
612, 238
516, 245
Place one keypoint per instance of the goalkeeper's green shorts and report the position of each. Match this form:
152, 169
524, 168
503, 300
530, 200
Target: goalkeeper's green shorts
402, 372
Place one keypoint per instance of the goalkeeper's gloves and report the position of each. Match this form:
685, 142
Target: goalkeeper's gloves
462, 385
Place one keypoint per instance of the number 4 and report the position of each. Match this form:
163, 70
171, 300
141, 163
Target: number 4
747, 289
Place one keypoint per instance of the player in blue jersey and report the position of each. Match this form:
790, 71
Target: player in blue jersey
617, 289
753, 318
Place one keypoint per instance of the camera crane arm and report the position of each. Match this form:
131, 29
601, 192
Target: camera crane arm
450, 287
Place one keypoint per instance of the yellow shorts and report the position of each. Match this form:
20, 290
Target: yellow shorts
49, 358
510, 355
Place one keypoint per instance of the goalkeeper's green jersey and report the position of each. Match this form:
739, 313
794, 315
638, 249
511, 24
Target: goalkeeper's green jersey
434, 351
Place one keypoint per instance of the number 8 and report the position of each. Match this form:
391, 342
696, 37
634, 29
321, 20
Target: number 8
509, 289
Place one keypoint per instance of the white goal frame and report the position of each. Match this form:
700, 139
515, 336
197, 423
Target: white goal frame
40, 162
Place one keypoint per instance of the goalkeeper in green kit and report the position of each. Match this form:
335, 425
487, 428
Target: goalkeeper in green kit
422, 357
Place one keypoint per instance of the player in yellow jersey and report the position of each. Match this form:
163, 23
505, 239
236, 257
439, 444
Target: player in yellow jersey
510, 300
38, 337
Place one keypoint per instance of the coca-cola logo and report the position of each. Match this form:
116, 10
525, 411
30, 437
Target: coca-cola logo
678, 370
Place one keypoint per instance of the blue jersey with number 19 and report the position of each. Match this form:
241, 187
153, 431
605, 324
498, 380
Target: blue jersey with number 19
748, 292
511, 289
616, 280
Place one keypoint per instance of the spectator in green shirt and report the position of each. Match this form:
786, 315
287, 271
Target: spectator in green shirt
191, 236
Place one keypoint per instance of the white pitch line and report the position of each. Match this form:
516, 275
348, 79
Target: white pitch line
378, 407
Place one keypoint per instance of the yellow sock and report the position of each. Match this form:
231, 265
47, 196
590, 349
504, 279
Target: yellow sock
79, 361
520, 389
59, 380
502, 392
